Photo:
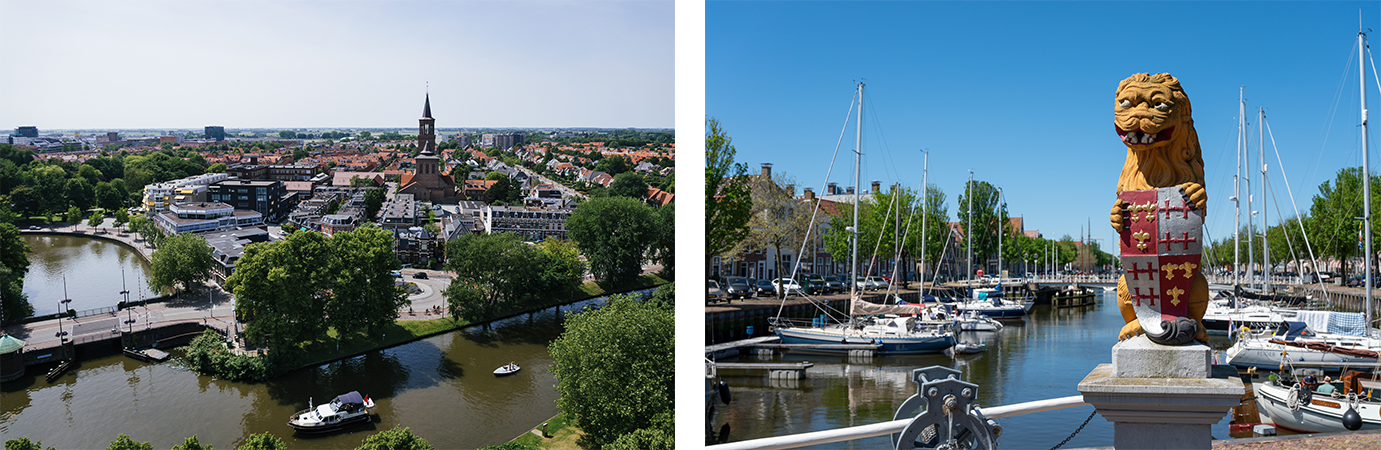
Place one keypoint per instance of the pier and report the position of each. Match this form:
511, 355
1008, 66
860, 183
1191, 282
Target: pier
789, 371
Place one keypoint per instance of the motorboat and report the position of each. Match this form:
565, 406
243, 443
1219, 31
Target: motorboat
1230, 312
507, 369
345, 410
974, 321
1303, 407
895, 329
1298, 344
966, 348
989, 302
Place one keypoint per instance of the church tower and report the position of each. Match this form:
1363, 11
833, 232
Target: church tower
426, 128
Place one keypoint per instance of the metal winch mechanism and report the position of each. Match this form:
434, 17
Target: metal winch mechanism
951, 419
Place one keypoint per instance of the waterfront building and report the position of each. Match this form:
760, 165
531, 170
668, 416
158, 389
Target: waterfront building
266, 197
215, 132
533, 223
204, 216
158, 196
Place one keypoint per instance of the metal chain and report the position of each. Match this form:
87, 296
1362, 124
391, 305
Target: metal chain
1071, 435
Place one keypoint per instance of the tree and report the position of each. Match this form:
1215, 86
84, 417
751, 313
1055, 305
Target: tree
180, 261
664, 247
373, 200
981, 224
139, 224
628, 184
108, 197
23, 443
614, 234
14, 263
363, 295
281, 287
216, 168
778, 221
561, 268
191, 443
614, 368
80, 193
365, 136
262, 441
73, 216
124, 442
498, 273
397, 438
300, 154
614, 165
121, 217
96, 219
1332, 225
728, 198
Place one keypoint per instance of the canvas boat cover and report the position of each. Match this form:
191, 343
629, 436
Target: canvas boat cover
1289, 330
352, 397
865, 308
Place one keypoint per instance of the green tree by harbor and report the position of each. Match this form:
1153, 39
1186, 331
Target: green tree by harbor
180, 261
23, 443
396, 438
498, 273
981, 222
192, 443
778, 222
280, 288
73, 217
614, 370
728, 197
262, 441
121, 217
123, 442
97, 217
614, 234
363, 294
14, 263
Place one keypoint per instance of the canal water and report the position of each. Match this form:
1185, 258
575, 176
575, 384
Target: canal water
443, 388
92, 269
1042, 356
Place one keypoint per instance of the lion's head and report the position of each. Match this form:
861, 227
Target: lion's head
1151, 115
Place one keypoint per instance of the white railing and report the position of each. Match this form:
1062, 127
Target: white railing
895, 426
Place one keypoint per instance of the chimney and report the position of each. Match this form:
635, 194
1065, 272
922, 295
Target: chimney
849, 190
767, 170
876, 185
808, 193
833, 189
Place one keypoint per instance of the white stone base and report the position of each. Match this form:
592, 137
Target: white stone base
1161, 412
1138, 357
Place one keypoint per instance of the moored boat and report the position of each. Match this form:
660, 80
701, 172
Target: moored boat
1301, 407
345, 410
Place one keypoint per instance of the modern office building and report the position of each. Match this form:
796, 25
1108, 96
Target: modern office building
204, 216
267, 197
29, 132
217, 133
158, 196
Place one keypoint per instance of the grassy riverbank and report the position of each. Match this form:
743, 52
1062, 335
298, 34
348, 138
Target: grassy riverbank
563, 435
335, 347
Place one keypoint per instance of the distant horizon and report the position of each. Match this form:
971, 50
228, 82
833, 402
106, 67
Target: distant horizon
42, 130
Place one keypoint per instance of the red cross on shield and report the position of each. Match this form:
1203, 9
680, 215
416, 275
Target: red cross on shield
1161, 245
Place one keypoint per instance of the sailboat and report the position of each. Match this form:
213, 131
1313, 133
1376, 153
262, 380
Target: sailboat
989, 301
1304, 405
893, 329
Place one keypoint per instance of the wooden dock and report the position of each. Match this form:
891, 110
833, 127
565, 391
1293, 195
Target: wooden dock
774, 370
147, 355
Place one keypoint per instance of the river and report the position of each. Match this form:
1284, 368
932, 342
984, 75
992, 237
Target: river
92, 268
442, 387
1042, 356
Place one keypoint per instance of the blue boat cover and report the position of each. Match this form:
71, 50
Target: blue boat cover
1289, 330
350, 397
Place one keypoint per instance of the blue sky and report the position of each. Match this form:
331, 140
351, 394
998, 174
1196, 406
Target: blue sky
302, 63
1021, 93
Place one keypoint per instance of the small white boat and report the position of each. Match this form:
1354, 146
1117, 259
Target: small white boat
973, 321
965, 348
507, 369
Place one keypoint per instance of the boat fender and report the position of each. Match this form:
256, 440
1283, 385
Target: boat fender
1351, 420
724, 395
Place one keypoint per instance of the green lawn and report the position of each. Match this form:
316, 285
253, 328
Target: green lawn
563, 435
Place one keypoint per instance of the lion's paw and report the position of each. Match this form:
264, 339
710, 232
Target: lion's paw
1195, 195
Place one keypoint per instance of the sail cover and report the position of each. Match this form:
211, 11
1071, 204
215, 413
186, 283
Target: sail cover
864, 308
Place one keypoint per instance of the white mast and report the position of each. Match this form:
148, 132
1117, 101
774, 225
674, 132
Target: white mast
1237, 194
968, 228
858, 160
1366, 173
925, 174
1261, 154
1000, 226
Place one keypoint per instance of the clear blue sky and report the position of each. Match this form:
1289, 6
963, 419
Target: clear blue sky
299, 63
1021, 93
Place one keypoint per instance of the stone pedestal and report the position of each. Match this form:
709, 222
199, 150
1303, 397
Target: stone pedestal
1161, 397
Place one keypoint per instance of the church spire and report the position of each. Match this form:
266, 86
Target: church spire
427, 108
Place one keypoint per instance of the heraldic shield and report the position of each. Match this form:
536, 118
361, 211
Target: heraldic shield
1161, 249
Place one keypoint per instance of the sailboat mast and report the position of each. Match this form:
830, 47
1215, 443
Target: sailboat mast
968, 229
1251, 222
1237, 194
1261, 155
1366, 173
858, 160
1000, 226
925, 218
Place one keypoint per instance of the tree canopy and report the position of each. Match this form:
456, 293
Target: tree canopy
498, 273
728, 197
14, 263
180, 261
628, 184
614, 234
396, 438
614, 368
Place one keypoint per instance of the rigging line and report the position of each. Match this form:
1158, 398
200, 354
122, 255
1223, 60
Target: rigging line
889, 168
1289, 244
1293, 205
816, 210
1373, 68
906, 235
1328, 125
872, 261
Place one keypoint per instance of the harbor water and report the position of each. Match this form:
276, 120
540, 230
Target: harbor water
1041, 356
91, 268
441, 387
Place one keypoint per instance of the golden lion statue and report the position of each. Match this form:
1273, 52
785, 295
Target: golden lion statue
1152, 115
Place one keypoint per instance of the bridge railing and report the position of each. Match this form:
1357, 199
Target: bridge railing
895, 426
95, 311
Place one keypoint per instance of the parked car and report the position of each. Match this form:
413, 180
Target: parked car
397, 273
821, 284
420, 275
764, 288
737, 287
715, 294
870, 283
788, 286
34, 227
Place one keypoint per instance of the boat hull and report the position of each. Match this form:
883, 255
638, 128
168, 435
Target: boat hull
902, 345
331, 427
1266, 355
1322, 414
